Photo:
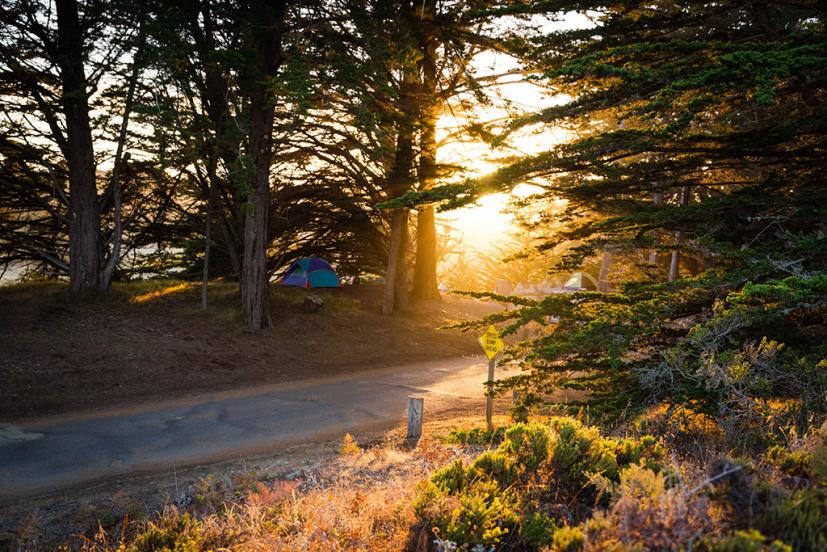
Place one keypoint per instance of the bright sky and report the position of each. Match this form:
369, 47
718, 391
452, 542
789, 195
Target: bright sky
485, 225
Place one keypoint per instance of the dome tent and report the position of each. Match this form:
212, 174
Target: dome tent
309, 273
580, 281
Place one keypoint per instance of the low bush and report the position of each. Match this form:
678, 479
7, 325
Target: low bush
476, 436
537, 481
798, 519
749, 540
648, 512
173, 532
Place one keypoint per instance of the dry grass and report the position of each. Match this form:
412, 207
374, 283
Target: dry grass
340, 495
344, 496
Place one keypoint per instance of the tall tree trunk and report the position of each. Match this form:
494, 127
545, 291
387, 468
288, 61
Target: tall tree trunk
402, 296
395, 295
255, 283
84, 218
605, 269
425, 285
219, 144
395, 274
675, 264
657, 199
205, 277
266, 20
120, 159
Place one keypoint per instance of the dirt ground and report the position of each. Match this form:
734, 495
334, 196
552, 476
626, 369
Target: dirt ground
150, 340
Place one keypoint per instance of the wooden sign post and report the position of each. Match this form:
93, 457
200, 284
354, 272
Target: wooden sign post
492, 345
489, 399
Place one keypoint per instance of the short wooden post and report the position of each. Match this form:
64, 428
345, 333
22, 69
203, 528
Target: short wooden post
416, 408
515, 396
489, 400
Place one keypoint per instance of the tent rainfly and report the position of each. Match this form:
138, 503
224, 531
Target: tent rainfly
580, 281
311, 273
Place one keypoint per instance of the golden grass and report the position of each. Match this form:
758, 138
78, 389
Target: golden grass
155, 294
360, 499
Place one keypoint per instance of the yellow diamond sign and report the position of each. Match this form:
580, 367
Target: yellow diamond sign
491, 342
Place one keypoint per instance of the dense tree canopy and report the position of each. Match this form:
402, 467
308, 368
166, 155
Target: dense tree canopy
164, 149
699, 164
223, 138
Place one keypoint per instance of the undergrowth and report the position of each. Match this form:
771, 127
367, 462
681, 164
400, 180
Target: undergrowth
565, 486
558, 485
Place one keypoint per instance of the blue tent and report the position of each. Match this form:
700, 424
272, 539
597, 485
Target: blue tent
311, 273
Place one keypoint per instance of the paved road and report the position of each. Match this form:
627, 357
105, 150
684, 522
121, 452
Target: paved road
49, 454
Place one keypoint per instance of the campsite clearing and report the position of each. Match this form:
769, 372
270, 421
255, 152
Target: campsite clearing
147, 341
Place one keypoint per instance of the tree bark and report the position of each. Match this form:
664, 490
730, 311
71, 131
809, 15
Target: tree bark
675, 264
657, 199
84, 218
205, 276
402, 297
266, 20
120, 159
605, 269
395, 274
395, 295
220, 145
425, 285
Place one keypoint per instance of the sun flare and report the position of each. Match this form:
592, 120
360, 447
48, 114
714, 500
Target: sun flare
487, 223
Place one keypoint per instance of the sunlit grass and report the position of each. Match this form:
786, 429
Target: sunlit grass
155, 294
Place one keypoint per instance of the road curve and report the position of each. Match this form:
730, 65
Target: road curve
46, 455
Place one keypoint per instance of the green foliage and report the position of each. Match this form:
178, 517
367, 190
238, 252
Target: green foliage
567, 539
527, 444
477, 436
509, 491
451, 478
538, 528
699, 132
798, 519
482, 518
349, 446
797, 462
750, 540
580, 452
497, 465
173, 532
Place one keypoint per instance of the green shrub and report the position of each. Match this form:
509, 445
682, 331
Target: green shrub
799, 519
432, 506
793, 462
568, 539
646, 451
537, 528
451, 478
476, 436
173, 532
580, 451
537, 469
818, 459
349, 446
527, 444
482, 518
748, 541
494, 465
